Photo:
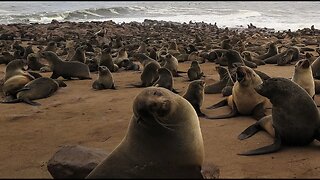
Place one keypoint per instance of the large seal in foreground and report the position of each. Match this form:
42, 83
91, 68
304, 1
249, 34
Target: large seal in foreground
163, 140
66, 69
295, 117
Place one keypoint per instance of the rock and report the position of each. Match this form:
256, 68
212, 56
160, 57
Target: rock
74, 161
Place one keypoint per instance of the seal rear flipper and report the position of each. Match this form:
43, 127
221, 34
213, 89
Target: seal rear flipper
28, 101
250, 131
35, 74
224, 102
259, 111
276, 146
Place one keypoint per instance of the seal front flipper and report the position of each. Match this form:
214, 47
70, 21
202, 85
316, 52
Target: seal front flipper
199, 113
276, 146
28, 101
250, 131
219, 104
259, 111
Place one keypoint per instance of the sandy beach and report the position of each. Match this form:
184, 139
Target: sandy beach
79, 115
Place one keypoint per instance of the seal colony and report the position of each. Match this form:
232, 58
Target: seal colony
161, 56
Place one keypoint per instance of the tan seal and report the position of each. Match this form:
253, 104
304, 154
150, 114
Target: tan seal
244, 99
105, 79
302, 75
161, 120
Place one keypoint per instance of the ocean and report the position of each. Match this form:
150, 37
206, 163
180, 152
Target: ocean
280, 15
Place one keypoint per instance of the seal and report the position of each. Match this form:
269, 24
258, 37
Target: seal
39, 88
33, 62
106, 60
165, 80
225, 79
149, 75
51, 46
194, 72
66, 69
280, 57
129, 65
244, 99
195, 95
302, 75
171, 63
272, 50
286, 58
288, 126
121, 55
80, 55
142, 58
315, 66
6, 57
160, 119
233, 56
248, 57
105, 79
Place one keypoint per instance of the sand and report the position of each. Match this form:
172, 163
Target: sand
77, 114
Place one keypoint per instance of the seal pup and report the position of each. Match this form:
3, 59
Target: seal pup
149, 74
225, 79
51, 46
105, 79
165, 79
160, 119
288, 126
194, 72
33, 62
129, 65
6, 57
80, 55
244, 99
195, 95
171, 63
106, 60
121, 55
248, 57
302, 75
39, 88
66, 69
